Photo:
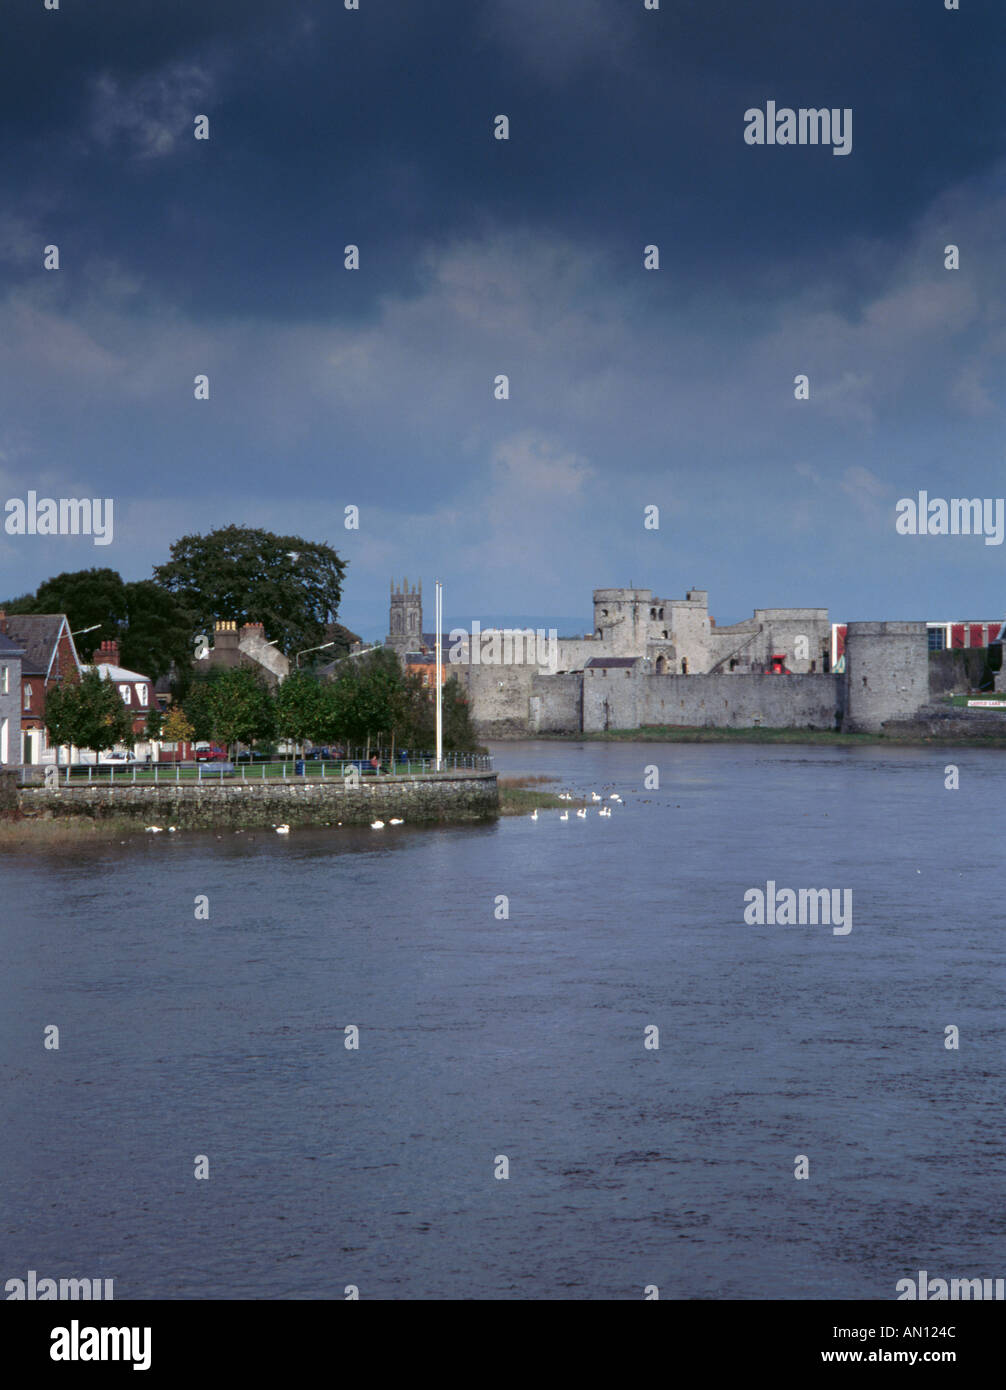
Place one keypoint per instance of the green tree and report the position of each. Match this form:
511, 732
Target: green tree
369, 696
151, 627
291, 585
197, 708
155, 723
87, 714
88, 597
158, 632
459, 736
342, 638
231, 705
300, 708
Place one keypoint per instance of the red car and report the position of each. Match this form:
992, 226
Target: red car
213, 754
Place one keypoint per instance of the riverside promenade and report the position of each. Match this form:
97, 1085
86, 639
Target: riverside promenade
211, 800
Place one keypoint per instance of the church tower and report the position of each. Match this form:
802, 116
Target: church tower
406, 617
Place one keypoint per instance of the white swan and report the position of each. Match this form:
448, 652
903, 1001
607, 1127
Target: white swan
377, 825
396, 820
154, 829
582, 813
534, 814
282, 830
564, 816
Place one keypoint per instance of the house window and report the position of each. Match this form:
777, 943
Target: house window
684, 666
141, 694
27, 697
937, 639
4, 682
126, 692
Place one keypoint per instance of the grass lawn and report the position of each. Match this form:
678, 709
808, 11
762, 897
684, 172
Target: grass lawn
244, 772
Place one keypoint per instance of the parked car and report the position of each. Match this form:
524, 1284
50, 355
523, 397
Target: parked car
318, 753
212, 754
255, 755
108, 758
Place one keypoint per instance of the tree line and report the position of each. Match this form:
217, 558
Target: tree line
369, 703
238, 573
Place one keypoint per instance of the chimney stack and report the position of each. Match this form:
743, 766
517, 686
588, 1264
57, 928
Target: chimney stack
107, 654
225, 635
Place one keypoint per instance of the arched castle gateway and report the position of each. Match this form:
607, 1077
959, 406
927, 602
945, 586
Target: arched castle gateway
653, 660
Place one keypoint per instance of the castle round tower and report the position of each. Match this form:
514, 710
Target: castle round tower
621, 619
886, 674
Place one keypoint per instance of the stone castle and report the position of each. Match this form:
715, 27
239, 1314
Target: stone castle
666, 661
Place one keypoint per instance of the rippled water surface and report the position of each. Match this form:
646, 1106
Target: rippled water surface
523, 1037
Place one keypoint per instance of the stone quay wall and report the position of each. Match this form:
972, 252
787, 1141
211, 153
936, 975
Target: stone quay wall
444, 796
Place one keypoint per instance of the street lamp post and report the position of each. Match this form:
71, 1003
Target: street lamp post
440, 712
312, 649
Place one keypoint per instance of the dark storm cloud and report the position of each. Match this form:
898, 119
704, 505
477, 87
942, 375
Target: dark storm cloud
329, 127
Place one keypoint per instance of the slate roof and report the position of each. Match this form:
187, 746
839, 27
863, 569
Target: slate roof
613, 661
38, 633
9, 647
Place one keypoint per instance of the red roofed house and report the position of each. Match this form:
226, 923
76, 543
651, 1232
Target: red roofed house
49, 658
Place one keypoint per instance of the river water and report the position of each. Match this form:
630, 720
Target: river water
482, 1037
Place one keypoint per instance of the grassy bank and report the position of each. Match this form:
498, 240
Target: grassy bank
520, 796
674, 733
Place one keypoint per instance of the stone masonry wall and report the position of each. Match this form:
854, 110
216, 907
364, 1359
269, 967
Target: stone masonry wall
741, 701
454, 796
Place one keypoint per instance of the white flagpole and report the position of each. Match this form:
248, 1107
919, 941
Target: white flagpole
440, 712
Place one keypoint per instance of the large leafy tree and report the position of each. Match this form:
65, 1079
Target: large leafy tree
87, 597
342, 638
372, 700
232, 705
367, 691
157, 633
291, 585
88, 713
300, 707
459, 736
150, 625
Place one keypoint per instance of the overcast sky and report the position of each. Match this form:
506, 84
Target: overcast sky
628, 387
